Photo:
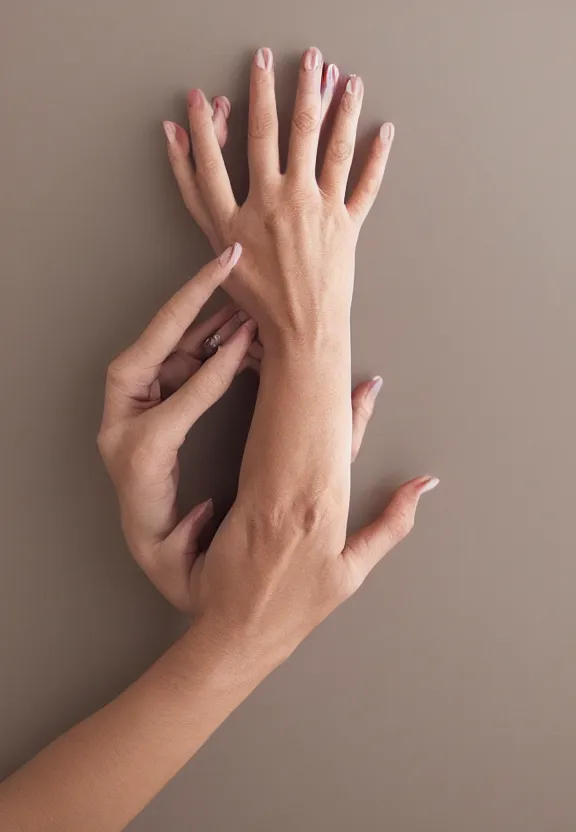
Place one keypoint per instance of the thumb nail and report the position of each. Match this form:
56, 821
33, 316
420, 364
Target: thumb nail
429, 484
376, 386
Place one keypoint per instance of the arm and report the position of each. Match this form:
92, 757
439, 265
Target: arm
100, 774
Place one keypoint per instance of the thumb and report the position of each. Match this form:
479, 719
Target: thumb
367, 547
176, 555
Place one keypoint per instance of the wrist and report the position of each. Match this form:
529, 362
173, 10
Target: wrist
315, 343
226, 659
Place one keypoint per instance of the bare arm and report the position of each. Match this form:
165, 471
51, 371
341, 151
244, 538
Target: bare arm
100, 774
279, 563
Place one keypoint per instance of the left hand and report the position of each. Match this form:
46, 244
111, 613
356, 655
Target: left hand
155, 391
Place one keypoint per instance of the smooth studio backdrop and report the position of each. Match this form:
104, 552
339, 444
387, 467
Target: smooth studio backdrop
442, 698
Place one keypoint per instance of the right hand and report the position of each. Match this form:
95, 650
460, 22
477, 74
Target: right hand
298, 233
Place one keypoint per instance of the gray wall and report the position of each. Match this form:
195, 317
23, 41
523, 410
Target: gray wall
442, 698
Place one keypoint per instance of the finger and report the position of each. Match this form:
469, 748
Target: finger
216, 339
305, 131
250, 363
139, 365
182, 166
263, 155
174, 558
340, 150
330, 78
364, 194
369, 545
176, 370
363, 401
211, 174
221, 108
256, 350
192, 341
187, 358
176, 415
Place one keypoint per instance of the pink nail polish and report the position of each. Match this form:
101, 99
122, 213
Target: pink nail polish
203, 512
354, 85
263, 59
333, 75
230, 256
243, 317
387, 132
429, 484
170, 131
376, 385
312, 59
196, 99
222, 103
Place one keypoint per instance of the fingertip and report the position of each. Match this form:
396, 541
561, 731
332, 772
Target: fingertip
230, 256
387, 133
220, 102
176, 137
263, 59
376, 386
428, 484
169, 131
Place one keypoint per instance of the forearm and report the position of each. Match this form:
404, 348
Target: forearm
102, 772
299, 441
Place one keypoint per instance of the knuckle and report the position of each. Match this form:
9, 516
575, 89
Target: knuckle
208, 166
306, 121
117, 369
340, 151
261, 125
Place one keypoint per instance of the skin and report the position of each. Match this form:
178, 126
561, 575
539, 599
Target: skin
281, 561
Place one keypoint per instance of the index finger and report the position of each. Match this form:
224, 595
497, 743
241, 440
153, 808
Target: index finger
138, 366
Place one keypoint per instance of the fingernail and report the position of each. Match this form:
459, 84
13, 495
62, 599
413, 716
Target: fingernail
243, 317
354, 85
222, 103
264, 59
170, 130
251, 325
429, 484
376, 386
312, 59
203, 511
387, 132
196, 98
332, 75
231, 255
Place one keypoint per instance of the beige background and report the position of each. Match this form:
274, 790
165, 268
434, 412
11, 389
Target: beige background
443, 697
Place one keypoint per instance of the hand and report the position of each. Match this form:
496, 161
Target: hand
155, 391
299, 234
141, 431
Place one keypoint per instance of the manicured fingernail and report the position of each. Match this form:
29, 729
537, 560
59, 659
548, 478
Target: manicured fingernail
387, 132
243, 317
222, 103
263, 59
204, 511
170, 130
376, 386
332, 76
231, 255
429, 484
312, 59
354, 85
196, 99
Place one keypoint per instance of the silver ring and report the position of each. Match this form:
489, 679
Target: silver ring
210, 346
